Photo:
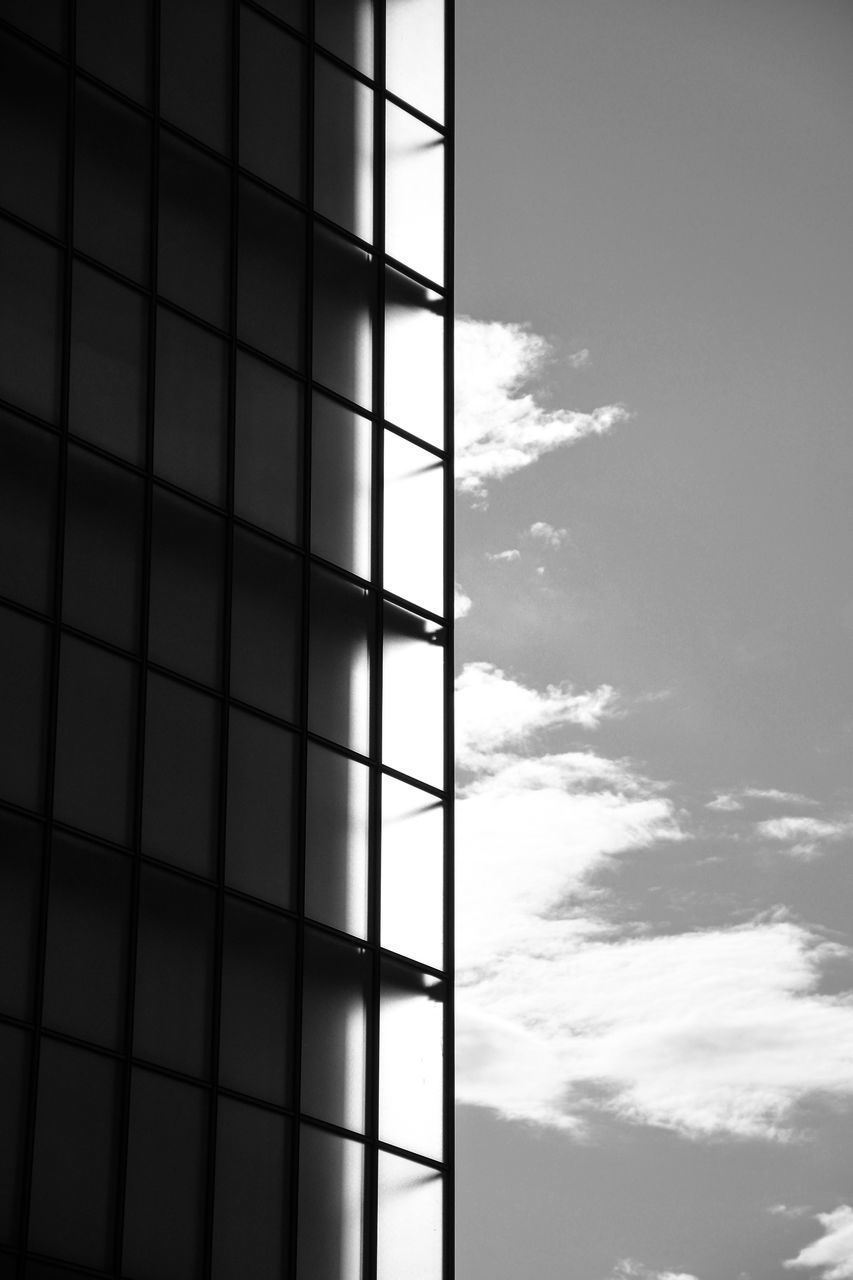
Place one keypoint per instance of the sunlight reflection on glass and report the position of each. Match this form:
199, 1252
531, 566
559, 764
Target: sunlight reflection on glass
341, 456
413, 548
410, 1059
343, 149
339, 672
414, 358
409, 1242
343, 316
346, 28
331, 1193
415, 53
336, 840
333, 1030
414, 193
413, 695
412, 872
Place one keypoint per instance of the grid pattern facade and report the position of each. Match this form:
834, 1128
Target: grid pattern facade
225, 594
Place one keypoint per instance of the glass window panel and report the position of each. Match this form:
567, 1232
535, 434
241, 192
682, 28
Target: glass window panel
24, 658
102, 574
71, 1214
413, 538
413, 696
28, 471
346, 28
174, 972
414, 36
111, 182
339, 660
195, 68
336, 840
33, 109
187, 563
341, 462
180, 798
193, 246
409, 1228
412, 872
109, 359
265, 624
20, 881
410, 1059
272, 103
261, 822
114, 43
331, 1199
270, 275
256, 1039
414, 193
336, 978
191, 407
268, 448
250, 1215
44, 19
292, 11
95, 740
414, 358
85, 968
343, 149
166, 1178
14, 1070
344, 284
30, 324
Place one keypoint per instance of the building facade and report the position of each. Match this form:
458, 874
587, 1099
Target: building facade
225, 603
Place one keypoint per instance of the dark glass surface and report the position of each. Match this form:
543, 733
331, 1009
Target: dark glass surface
71, 1214
336, 982
191, 407
111, 183
272, 103
261, 822
250, 1218
28, 470
180, 788
339, 660
20, 880
24, 656
292, 11
336, 840
114, 43
265, 624
187, 560
86, 965
30, 324
268, 448
331, 1206
346, 28
44, 19
343, 149
193, 245
14, 1065
344, 287
95, 740
257, 1002
109, 357
164, 1202
102, 574
270, 274
32, 112
195, 68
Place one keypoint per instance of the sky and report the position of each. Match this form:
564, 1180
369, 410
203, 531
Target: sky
655, 723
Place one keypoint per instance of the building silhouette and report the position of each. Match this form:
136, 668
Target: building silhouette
225, 907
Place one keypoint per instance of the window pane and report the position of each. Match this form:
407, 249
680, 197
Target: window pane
86, 964
336, 981
410, 1059
414, 34
412, 872
339, 658
261, 823
193, 245
250, 1217
75, 1148
414, 523
265, 625
180, 795
271, 275
95, 740
14, 1069
24, 658
341, 460
164, 1203
268, 448
44, 19
30, 323
413, 696
191, 407
20, 881
346, 28
344, 285
272, 110
102, 575
187, 561
32, 107
111, 183
28, 470
195, 68
414, 193
114, 42
109, 358
414, 358
409, 1220
331, 1199
336, 840
343, 149
255, 1047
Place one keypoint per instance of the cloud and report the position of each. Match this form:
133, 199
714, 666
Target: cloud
629, 1267
548, 534
507, 556
732, 801
724, 803
462, 604
833, 1252
579, 359
501, 427
805, 837
792, 1211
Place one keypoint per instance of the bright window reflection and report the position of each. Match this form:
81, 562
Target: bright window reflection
409, 1238
412, 872
336, 840
415, 53
414, 193
341, 457
414, 358
343, 149
331, 1196
414, 537
413, 696
410, 1059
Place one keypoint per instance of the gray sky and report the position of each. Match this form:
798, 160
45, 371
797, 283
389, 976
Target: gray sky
654, 246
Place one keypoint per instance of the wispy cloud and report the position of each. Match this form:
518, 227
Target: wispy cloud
546, 533
579, 359
832, 1254
506, 556
629, 1268
804, 836
792, 1211
732, 801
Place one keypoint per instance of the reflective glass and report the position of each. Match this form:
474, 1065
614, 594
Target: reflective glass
409, 1234
336, 979
412, 911
270, 275
339, 660
250, 1215
191, 407
268, 448
266, 609
28, 470
410, 1059
33, 109
292, 11
341, 464
44, 19
30, 323
331, 1200
414, 358
195, 68
336, 840
414, 193
261, 808
413, 537
193, 245
272, 103
114, 43
413, 696
24, 658
14, 1069
344, 284
343, 149
345, 27
414, 35
20, 880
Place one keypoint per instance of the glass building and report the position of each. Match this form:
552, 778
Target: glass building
225, 589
